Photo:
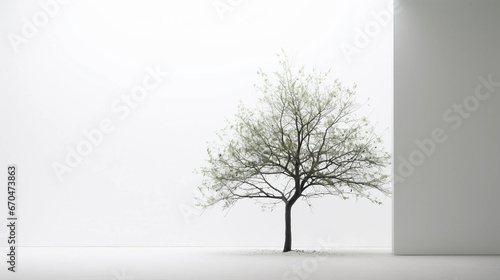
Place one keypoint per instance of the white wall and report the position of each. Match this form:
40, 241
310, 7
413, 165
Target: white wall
136, 187
447, 202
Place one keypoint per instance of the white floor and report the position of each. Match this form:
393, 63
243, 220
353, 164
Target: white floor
94, 263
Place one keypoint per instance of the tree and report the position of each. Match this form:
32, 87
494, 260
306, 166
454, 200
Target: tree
302, 140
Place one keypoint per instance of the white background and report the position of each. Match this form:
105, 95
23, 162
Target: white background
134, 188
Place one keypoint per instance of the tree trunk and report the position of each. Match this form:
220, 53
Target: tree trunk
288, 228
